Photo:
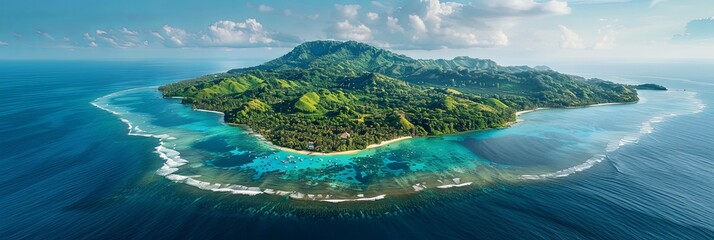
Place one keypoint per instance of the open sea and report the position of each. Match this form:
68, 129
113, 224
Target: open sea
89, 149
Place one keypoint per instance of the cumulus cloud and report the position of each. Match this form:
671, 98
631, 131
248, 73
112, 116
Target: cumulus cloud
347, 31
223, 33
569, 39
265, 8
697, 30
393, 25
417, 24
126, 31
348, 11
372, 16
607, 30
122, 38
433, 24
605, 42
229, 33
522, 7
175, 36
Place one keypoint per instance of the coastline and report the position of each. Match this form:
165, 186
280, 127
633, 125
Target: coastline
383, 143
210, 111
305, 152
519, 113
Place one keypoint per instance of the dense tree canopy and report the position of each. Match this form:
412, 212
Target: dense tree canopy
322, 89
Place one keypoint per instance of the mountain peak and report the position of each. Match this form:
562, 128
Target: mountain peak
324, 47
362, 57
330, 53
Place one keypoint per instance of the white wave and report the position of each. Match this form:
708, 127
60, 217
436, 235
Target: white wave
173, 162
237, 191
166, 170
103, 108
646, 127
566, 172
454, 185
297, 195
176, 177
380, 197
172, 157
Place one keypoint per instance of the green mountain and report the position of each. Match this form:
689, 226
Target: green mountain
322, 89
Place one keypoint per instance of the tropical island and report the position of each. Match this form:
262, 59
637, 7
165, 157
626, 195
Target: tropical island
329, 96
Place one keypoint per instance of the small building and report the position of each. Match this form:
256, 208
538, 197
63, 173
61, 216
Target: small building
310, 145
345, 135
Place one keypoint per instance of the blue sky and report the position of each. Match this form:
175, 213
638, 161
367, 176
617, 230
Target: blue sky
510, 31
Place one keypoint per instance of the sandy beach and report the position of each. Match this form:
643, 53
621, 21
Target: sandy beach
210, 111
519, 113
337, 153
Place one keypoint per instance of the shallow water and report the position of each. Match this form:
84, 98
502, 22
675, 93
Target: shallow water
71, 170
201, 151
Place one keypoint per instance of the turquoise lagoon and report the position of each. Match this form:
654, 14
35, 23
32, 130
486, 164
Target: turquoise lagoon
201, 151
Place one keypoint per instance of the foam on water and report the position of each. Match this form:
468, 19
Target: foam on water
173, 162
646, 127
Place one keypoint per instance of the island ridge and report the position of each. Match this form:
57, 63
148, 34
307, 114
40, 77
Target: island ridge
328, 96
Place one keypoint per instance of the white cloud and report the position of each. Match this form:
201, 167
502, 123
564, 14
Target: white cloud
126, 31
597, 1
569, 39
393, 24
434, 24
417, 24
176, 36
347, 31
229, 33
348, 11
372, 16
3, 43
88, 37
157, 35
608, 30
46, 35
527, 7
265, 8
605, 42
108, 38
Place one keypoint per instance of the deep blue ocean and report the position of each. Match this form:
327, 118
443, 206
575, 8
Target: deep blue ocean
71, 171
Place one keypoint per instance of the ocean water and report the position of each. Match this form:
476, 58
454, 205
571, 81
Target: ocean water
91, 150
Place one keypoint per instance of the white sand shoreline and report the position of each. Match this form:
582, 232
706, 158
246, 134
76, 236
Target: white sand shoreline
384, 143
210, 111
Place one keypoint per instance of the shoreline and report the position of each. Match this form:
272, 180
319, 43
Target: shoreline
387, 142
305, 152
209, 111
519, 113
